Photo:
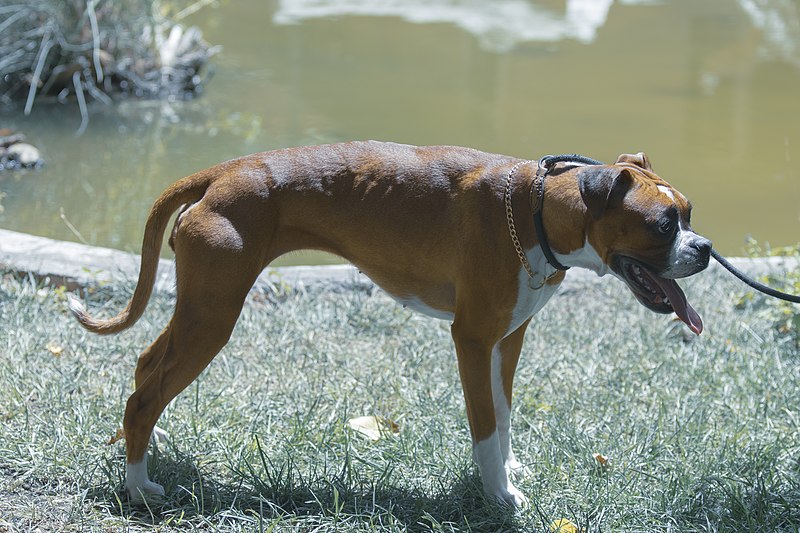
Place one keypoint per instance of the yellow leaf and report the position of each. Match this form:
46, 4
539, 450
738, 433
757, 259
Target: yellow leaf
117, 437
373, 427
562, 525
601, 459
55, 349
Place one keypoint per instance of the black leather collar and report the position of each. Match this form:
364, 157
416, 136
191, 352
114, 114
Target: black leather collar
546, 164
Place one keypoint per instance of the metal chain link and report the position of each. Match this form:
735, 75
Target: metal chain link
512, 229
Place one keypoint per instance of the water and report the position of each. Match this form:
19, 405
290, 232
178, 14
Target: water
709, 90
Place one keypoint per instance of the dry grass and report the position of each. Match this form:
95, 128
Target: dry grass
700, 436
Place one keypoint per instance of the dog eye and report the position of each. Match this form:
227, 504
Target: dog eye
666, 226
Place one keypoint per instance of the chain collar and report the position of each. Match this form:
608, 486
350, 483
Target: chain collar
535, 280
544, 166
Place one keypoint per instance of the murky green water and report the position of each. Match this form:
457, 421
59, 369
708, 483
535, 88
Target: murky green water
709, 89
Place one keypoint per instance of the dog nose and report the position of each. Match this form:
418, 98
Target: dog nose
702, 245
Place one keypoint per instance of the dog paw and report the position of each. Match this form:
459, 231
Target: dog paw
159, 435
507, 494
511, 497
140, 493
517, 469
138, 483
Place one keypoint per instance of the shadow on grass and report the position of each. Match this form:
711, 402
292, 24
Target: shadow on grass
756, 496
281, 495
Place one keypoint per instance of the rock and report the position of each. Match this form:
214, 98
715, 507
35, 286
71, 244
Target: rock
8, 137
25, 154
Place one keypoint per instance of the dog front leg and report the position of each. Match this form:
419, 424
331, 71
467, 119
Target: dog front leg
475, 368
505, 357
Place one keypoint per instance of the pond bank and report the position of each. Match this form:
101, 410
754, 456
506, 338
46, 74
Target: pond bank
77, 265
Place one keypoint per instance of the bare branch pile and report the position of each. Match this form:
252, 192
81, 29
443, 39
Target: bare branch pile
96, 49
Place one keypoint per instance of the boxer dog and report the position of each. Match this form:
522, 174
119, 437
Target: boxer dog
446, 231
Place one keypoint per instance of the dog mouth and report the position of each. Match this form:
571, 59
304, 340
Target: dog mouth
661, 295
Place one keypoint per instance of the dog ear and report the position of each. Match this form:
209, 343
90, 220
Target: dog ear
603, 187
640, 160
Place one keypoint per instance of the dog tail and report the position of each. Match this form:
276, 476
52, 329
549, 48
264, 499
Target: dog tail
186, 190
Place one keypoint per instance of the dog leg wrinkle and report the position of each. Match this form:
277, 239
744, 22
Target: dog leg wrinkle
150, 357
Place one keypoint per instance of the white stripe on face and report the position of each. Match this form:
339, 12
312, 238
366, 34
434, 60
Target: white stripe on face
666, 190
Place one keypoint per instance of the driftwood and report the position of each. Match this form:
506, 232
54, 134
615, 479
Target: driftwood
96, 49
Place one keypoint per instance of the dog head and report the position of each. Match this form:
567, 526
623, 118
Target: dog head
641, 228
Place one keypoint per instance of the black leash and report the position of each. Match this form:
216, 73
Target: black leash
753, 283
550, 160
545, 165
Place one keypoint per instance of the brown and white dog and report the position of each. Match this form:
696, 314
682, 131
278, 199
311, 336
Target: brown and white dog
427, 224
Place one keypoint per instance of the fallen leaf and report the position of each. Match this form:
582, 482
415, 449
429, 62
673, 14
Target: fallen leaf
562, 525
55, 349
600, 458
373, 427
120, 435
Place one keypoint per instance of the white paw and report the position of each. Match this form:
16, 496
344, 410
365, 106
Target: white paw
517, 469
138, 483
512, 497
139, 493
159, 435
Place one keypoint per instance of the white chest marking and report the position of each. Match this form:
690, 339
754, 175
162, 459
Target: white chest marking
586, 257
530, 301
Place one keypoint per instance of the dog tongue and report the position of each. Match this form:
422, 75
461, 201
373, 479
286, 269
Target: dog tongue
679, 304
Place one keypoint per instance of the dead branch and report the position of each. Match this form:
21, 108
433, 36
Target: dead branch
98, 49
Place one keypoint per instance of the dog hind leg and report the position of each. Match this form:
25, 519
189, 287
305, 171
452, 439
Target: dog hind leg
212, 285
150, 358
147, 361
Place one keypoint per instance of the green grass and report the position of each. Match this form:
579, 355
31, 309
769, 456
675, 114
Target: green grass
701, 435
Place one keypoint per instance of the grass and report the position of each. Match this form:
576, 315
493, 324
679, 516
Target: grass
701, 435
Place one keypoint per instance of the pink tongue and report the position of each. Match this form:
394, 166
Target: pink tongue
679, 304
